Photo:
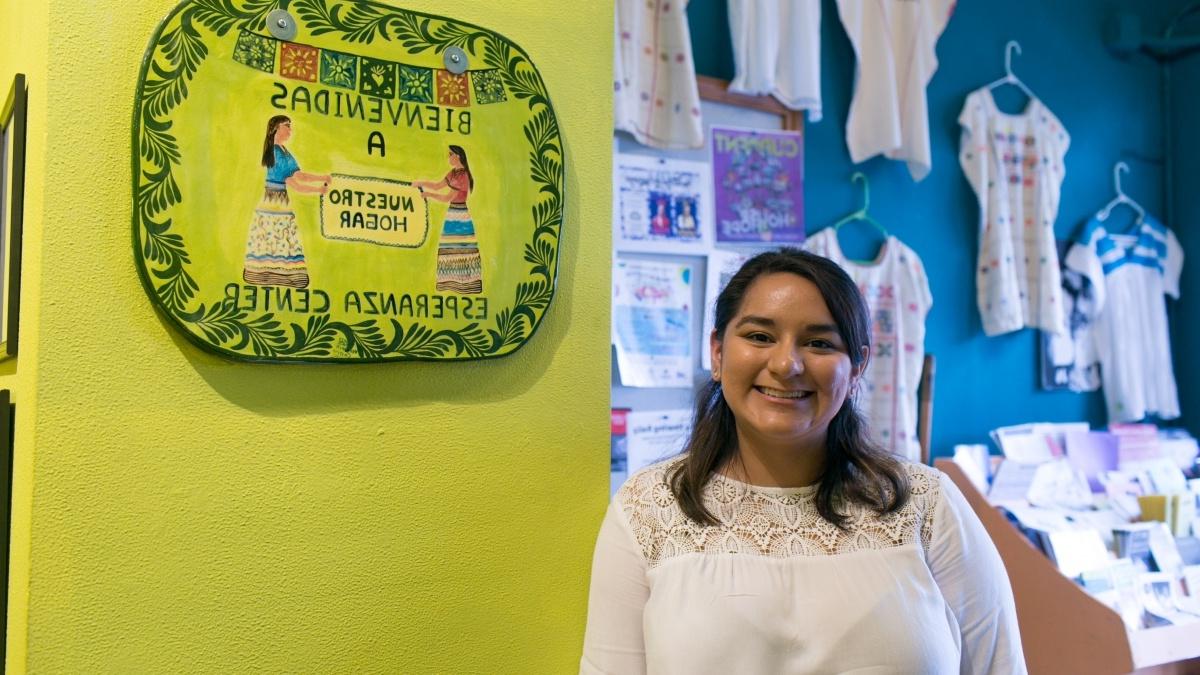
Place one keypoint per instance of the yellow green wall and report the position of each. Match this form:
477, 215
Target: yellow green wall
24, 31
178, 512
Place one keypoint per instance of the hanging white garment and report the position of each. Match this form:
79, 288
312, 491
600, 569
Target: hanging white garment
894, 42
1015, 165
655, 97
1132, 274
897, 294
777, 51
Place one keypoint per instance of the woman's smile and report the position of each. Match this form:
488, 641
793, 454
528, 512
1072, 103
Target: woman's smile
784, 394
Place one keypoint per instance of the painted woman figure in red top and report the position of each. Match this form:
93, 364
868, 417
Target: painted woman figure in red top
459, 268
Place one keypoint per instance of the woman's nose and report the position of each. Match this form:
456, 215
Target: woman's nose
786, 360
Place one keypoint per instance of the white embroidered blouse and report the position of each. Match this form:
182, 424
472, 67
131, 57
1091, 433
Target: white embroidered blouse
775, 588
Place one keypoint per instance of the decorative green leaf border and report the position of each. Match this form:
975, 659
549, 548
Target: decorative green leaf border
171, 60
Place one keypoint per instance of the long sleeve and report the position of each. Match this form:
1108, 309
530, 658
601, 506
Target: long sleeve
972, 579
613, 643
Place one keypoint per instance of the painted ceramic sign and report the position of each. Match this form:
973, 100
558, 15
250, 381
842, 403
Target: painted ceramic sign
382, 185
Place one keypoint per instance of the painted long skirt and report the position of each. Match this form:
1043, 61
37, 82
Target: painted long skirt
459, 268
274, 255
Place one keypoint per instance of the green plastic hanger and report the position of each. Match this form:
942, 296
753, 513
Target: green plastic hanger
861, 214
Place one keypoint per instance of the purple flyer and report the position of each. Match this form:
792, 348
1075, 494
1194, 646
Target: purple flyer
758, 185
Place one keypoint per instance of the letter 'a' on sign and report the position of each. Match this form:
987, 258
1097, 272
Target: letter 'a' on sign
349, 194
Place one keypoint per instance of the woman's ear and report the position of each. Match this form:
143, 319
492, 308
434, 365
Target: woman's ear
857, 371
714, 346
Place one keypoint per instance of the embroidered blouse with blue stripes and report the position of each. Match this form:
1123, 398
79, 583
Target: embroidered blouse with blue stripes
1131, 273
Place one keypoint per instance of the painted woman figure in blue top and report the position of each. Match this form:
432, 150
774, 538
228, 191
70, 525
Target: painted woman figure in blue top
274, 255
459, 267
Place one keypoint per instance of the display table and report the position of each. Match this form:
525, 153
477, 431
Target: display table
1065, 630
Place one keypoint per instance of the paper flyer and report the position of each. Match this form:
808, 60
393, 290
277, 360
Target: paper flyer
652, 322
758, 186
652, 436
661, 205
722, 265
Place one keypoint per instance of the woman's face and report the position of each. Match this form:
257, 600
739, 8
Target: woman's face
283, 132
783, 367
454, 159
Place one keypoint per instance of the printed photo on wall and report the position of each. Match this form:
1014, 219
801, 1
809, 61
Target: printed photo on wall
660, 205
758, 186
652, 323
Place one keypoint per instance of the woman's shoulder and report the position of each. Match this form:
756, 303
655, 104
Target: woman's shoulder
652, 514
921, 477
648, 485
924, 493
924, 486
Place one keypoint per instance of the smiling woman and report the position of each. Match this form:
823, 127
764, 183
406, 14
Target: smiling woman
785, 373
782, 540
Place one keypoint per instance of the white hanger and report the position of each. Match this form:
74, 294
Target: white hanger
1009, 78
1121, 197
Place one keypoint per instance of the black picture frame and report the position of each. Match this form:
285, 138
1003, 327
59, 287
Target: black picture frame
13, 124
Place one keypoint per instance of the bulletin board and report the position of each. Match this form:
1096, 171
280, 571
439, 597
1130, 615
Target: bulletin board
719, 108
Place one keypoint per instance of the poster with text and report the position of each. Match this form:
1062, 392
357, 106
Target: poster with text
652, 323
758, 186
661, 205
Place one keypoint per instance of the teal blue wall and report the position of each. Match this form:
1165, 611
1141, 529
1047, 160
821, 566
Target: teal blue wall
1112, 109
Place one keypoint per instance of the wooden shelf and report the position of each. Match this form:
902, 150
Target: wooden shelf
1065, 630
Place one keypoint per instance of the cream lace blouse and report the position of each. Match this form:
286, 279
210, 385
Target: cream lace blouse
777, 589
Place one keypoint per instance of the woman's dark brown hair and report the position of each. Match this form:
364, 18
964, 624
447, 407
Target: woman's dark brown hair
856, 471
268, 156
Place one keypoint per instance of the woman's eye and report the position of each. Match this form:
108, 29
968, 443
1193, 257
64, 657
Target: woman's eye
758, 337
821, 343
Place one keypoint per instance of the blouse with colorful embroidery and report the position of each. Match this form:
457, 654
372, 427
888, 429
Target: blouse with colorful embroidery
1015, 165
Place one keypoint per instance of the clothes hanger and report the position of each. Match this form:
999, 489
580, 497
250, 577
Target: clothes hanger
1121, 198
861, 214
1010, 78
